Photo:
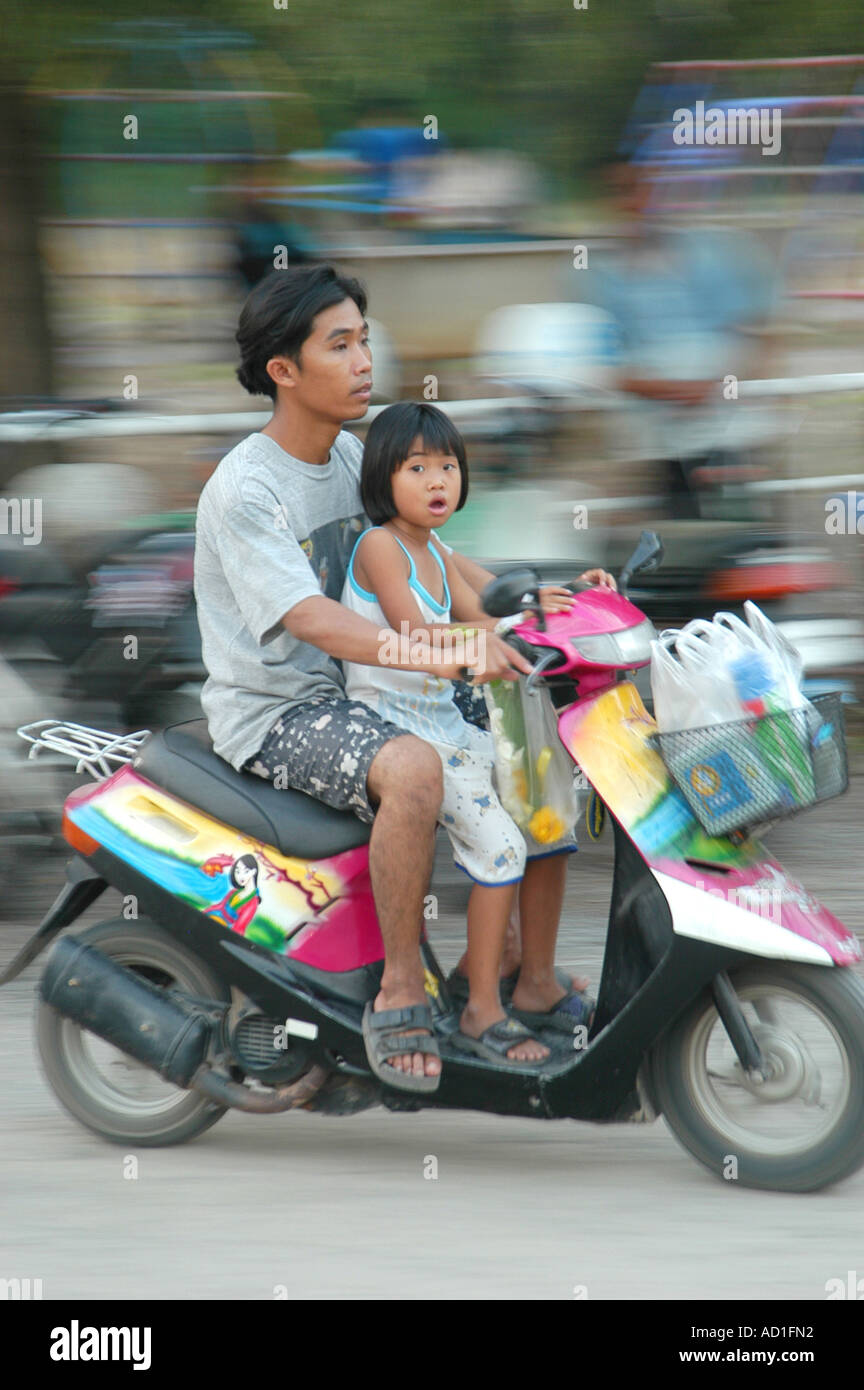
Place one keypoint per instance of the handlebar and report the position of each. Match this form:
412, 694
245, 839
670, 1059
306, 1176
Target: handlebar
531, 681
520, 645
551, 657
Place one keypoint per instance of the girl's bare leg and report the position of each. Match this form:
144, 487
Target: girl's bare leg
488, 912
540, 902
541, 889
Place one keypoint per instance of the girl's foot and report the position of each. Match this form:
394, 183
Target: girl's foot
474, 1022
567, 983
540, 994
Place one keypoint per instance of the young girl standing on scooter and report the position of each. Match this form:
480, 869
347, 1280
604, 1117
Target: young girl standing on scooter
414, 477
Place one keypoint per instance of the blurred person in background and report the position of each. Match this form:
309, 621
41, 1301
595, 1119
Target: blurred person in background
686, 301
386, 136
258, 232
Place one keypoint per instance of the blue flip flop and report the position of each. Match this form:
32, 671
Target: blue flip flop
575, 1010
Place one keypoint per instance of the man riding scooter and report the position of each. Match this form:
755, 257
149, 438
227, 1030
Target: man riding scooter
276, 525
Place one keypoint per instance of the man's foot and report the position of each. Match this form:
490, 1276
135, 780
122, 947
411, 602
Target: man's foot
474, 1023
412, 1063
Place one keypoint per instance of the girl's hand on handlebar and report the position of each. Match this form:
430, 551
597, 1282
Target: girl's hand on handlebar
600, 578
554, 598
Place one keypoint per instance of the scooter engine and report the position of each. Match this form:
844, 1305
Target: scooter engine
262, 1048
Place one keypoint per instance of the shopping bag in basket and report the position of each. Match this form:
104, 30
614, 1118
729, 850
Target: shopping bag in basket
714, 672
533, 769
714, 754
690, 684
723, 776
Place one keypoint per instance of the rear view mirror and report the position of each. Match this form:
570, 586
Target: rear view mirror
646, 557
513, 592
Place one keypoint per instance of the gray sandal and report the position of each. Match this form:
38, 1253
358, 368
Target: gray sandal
384, 1036
495, 1042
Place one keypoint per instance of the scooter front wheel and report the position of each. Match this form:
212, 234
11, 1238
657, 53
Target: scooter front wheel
797, 1126
103, 1088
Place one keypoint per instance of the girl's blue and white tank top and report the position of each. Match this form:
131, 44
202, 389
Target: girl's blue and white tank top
417, 702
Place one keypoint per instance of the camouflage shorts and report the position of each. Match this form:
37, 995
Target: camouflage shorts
325, 748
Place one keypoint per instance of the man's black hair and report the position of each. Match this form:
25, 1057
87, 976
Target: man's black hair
277, 318
388, 444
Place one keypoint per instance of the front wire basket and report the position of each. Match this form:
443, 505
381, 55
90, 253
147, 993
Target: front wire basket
94, 751
735, 776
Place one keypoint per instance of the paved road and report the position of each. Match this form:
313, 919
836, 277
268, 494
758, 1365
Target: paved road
307, 1207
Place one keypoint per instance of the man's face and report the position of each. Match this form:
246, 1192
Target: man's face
334, 377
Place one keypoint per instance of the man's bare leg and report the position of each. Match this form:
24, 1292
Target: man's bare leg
405, 780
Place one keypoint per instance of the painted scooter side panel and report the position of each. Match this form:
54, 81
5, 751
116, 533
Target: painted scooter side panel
246, 886
607, 735
709, 918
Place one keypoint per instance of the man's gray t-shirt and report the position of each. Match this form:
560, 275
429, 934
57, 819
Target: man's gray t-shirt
271, 531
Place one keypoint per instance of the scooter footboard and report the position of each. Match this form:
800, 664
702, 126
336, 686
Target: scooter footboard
650, 975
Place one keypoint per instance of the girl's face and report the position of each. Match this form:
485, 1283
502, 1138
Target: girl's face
426, 486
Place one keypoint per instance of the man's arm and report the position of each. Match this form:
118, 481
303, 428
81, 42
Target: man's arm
348, 637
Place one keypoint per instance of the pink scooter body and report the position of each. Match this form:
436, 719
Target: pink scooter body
608, 748
322, 913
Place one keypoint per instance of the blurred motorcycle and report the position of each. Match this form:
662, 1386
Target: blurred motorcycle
724, 546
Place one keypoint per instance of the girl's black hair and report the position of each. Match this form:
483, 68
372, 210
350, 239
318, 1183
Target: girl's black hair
277, 318
250, 862
388, 444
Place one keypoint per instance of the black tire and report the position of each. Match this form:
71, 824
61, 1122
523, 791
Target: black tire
693, 1103
175, 1115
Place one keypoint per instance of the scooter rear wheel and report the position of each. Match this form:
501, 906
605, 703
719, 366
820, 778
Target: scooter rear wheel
800, 1128
109, 1092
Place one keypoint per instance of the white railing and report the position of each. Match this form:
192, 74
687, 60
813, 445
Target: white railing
94, 751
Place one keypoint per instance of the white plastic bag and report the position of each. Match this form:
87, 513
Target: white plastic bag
787, 660
690, 682
703, 674
729, 673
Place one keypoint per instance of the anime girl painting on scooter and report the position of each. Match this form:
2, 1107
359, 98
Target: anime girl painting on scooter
242, 900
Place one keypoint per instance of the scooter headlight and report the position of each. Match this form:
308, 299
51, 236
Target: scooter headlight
628, 648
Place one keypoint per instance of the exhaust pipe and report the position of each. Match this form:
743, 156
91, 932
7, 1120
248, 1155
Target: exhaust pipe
160, 1030
279, 1098
163, 1031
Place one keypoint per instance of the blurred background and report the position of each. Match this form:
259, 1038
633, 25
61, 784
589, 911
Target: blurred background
623, 249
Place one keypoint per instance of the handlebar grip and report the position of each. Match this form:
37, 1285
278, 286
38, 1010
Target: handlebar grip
517, 643
521, 646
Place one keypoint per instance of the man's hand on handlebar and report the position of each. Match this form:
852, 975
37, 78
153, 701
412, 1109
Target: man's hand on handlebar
497, 661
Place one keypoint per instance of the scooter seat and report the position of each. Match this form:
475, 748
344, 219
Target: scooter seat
180, 760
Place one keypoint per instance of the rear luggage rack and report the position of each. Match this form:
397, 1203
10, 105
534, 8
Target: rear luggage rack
94, 751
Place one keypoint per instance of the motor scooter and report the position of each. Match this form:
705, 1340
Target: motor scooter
249, 945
